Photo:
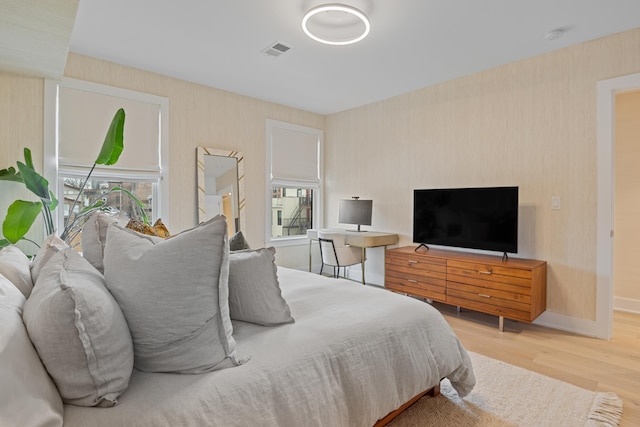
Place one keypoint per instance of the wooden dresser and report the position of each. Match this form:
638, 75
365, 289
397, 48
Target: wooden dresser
515, 289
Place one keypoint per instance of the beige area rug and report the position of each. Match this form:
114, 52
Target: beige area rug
506, 395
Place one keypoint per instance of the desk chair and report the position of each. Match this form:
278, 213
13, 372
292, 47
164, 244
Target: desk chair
335, 253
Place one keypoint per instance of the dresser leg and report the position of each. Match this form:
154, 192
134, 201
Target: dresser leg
501, 324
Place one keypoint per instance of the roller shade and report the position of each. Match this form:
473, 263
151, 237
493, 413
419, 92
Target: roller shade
294, 155
84, 118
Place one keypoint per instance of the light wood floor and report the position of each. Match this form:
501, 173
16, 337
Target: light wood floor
590, 363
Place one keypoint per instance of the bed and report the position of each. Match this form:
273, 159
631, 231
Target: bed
354, 354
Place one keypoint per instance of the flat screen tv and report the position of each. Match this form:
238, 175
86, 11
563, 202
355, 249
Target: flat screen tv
476, 218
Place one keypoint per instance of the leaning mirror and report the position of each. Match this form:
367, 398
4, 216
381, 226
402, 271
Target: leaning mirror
221, 186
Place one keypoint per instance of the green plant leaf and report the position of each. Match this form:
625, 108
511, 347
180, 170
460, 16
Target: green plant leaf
97, 204
20, 217
4, 242
113, 142
54, 201
10, 174
145, 219
28, 159
35, 182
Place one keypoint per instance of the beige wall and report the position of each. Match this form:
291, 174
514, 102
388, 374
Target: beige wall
531, 123
626, 284
21, 109
21, 125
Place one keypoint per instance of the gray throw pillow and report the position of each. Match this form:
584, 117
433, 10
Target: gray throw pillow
237, 242
52, 245
79, 331
254, 291
94, 237
174, 295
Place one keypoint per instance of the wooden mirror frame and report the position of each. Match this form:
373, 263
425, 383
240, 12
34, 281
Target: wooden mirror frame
207, 151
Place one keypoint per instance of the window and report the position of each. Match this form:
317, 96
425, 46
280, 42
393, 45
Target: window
77, 116
109, 191
294, 211
112, 192
293, 179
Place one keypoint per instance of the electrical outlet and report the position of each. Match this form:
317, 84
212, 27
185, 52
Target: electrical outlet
555, 203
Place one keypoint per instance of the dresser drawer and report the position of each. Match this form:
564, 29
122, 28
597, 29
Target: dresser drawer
492, 295
416, 276
418, 288
478, 303
416, 264
487, 275
490, 288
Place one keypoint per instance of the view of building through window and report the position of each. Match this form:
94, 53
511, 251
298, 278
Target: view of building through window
104, 188
292, 211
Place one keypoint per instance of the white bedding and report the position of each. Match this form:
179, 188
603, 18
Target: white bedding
354, 354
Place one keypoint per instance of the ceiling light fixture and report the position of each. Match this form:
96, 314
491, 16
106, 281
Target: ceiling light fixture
336, 24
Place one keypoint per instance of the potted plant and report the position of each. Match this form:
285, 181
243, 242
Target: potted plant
21, 214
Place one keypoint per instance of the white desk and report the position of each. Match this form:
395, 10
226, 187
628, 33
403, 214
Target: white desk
360, 239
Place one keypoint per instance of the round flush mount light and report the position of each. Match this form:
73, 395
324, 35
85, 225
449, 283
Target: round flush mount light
336, 24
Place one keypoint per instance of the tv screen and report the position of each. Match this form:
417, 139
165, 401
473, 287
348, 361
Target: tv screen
476, 218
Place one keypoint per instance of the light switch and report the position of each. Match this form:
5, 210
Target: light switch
555, 203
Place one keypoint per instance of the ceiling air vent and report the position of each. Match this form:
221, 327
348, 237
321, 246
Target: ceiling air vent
276, 49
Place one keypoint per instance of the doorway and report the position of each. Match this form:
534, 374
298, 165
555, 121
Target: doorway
626, 200
606, 91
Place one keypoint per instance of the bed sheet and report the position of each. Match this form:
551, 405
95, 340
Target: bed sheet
354, 354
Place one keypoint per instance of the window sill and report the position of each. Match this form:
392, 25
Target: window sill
288, 241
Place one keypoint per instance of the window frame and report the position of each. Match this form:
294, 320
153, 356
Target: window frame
271, 181
54, 173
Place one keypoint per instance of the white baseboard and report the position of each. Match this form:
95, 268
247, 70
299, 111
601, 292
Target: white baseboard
567, 323
626, 304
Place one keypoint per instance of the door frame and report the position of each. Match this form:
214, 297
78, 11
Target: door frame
606, 90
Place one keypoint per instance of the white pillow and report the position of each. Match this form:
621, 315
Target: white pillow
15, 266
79, 331
28, 397
254, 291
174, 295
51, 246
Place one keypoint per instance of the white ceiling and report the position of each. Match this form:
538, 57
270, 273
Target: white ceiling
412, 44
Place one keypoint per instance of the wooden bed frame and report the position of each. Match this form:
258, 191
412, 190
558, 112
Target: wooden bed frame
433, 392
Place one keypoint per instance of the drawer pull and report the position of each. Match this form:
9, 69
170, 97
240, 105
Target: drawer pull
412, 281
484, 295
485, 272
412, 262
